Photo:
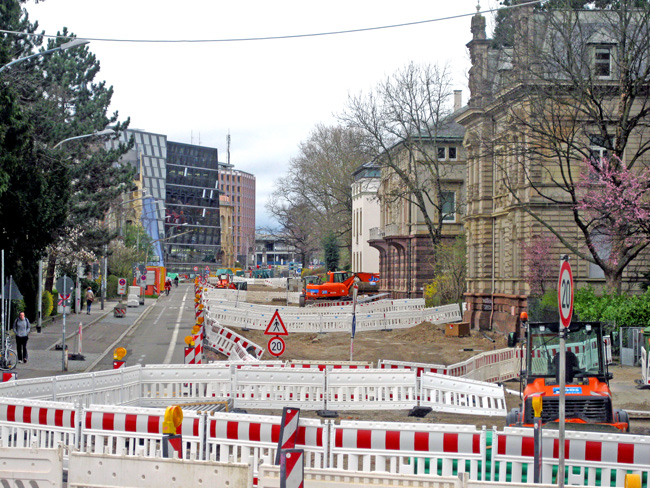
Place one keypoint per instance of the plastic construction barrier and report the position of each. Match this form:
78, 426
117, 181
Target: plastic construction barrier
253, 439
117, 471
592, 458
372, 389
25, 423
223, 340
279, 387
459, 395
33, 467
136, 431
390, 447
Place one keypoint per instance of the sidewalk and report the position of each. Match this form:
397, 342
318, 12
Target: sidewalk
100, 330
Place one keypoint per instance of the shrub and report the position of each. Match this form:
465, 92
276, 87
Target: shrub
111, 286
618, 310
47, 303
55, 301
544, 308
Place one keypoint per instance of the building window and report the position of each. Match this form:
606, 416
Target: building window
441, 153
448, 200
603, 247
452, 153
603, 62
598, 147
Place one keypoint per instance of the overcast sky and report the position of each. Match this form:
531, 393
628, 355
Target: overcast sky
268, 94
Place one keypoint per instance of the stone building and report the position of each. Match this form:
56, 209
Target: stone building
521, 147
365, 216
402, 238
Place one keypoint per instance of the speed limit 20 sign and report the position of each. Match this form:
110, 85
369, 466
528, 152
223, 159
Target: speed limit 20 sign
565, 293
276, 346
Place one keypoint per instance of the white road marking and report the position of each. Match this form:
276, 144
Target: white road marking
159, 315
172, 343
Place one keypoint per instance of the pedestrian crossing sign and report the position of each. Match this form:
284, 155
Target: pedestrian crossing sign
276, 326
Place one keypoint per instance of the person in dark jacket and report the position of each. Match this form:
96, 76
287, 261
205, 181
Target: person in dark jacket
22, 327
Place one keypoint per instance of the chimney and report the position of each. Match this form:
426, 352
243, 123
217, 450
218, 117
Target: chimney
458, 100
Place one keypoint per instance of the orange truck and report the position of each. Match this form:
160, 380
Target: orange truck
588, 399
339, 285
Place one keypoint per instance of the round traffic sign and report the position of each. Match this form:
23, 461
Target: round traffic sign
122, 282
207, 268
276, 346
196, 268
565, 293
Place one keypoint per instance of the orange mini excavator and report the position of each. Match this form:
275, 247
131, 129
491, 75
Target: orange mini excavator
339, 285
588, 399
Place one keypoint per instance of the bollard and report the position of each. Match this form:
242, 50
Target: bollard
118, 358
172, 441
288, 431
537, 440
292, 468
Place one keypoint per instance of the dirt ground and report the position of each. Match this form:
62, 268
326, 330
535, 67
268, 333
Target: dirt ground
427, 343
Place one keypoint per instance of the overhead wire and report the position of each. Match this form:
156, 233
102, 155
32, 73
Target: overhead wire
274, 38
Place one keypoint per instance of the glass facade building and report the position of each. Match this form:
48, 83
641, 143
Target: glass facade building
192, 223
148, 156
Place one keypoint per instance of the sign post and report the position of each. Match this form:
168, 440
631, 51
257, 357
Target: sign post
121, 288
565, 306
64, 286
355, 293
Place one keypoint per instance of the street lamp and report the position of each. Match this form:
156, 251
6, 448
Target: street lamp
62, 47
105, 132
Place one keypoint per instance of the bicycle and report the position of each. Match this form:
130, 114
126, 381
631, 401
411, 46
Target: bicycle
8, 357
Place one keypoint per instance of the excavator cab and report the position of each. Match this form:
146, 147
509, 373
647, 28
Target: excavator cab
588, 398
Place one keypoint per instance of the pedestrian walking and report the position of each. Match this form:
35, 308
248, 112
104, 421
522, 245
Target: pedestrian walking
90, 297
21, 329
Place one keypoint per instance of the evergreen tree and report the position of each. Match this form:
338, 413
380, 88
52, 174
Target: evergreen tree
47, 192
331, 250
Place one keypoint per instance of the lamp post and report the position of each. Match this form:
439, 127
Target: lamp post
62, 47
105, 132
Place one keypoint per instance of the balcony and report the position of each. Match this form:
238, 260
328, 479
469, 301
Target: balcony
394, 230
375, 233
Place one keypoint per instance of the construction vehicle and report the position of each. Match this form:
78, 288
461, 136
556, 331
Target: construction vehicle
588, 399
338, 285
225, 280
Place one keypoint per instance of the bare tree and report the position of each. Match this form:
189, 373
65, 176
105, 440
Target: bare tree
318, 184
574, 90
403, 119
296, 227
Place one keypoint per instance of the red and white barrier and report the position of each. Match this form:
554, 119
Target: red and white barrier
252, 439
46, 424
323, 365
288, 431
189, 354
493, 366
223, 340
392, 447
8, 376
589, 455
136, 431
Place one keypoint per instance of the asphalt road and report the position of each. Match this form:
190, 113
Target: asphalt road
152, 334
158, 336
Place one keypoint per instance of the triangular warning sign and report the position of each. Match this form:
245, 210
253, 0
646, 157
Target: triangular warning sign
276, 326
